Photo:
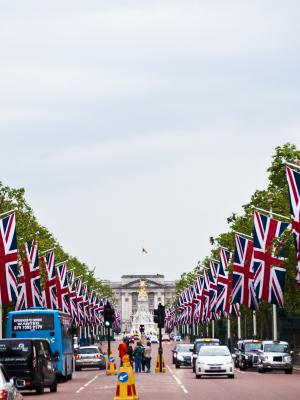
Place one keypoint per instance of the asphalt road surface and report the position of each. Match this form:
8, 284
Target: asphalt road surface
179, 384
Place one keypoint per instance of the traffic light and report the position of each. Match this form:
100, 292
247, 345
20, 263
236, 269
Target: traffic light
109, 315
159, 315
142, 328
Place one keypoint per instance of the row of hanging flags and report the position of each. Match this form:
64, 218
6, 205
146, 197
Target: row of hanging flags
62, 290
258, 272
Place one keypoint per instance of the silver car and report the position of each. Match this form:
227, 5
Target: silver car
89, 357
275, 355
7, 387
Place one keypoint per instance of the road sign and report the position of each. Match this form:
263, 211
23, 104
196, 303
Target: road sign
111, 359
123, 377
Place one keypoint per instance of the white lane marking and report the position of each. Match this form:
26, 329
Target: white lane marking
178, 381
87, 384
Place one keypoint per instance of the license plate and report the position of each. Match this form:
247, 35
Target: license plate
87, 363
215, 367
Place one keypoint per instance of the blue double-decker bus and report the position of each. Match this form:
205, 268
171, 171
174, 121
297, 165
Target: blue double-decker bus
50, 324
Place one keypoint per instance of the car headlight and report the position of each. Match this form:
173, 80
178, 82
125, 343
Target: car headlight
287, 358
180, 358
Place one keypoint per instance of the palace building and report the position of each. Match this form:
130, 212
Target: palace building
126, 293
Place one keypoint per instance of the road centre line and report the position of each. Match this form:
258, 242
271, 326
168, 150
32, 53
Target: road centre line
177, 380
87, 384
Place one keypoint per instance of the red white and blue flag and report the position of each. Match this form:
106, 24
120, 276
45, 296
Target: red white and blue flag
79, 299
47, 262
243, 273
269, 270
213, 288
29, 282
224, 284
73, 297
62, 288
293, 178
8, 260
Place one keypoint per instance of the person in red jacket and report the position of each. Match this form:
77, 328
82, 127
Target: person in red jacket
123, 350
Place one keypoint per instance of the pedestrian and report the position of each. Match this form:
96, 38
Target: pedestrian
148, 356
130, 354
123, 350
138, 356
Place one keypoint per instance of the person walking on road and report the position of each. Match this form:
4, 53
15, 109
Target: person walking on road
123, 350
138, 356
148, 356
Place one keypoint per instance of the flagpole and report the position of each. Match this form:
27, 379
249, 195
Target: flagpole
7, 212
274, 313
228, 333
239, 327
254, 324
271, 213
213, 329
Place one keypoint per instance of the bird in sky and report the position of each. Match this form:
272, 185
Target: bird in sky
144, 251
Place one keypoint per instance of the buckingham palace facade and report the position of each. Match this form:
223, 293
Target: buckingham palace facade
126, 293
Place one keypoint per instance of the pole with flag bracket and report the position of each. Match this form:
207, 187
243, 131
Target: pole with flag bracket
244, 234
292, 165
47, 251
8, 212
62, 262
271, 213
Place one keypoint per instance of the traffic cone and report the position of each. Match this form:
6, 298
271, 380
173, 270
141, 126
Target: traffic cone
126, 389
157, 369
111, 366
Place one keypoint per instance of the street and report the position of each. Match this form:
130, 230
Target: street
179, 384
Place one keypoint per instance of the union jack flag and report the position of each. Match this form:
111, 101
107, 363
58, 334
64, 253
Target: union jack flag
8, 260
269, 271
243, 273
213, 288
47, 262
79, 299
73, 297
29, 282
293, 178
86, 304
224, 283
62, 288
199, 310
205, 294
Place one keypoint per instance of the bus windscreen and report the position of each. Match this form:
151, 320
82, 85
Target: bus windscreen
32, 322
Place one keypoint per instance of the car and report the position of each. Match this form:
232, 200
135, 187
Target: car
90, 357
182, 355
236, 353
165, 338
214, 361
153, 339
248, 354
275, 354
30, 362
197, 346
7, 386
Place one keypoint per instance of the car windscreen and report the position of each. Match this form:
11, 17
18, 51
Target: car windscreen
214, 351
200, 344
252, 346
184, 348
276, 348
15, 350
89, 350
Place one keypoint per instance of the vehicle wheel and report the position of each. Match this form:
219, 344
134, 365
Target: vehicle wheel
288, 371
230, 376
261, 370
53, 387
242, 366
177, 366
198, 376
41, 388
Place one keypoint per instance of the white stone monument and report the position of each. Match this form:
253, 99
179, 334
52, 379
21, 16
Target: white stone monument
143, 315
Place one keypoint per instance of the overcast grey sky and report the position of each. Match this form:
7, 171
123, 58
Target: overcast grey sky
144, 123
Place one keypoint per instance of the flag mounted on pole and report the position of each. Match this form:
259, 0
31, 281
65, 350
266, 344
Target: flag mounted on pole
8, 260
62, 288
269, 270
293, 179
29, 282
47, 262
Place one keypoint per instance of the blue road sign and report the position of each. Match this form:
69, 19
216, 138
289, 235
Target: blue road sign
111, 359
123, 377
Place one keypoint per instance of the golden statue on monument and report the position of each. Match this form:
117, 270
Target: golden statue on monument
142, 291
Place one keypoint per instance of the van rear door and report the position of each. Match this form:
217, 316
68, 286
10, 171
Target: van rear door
16, 356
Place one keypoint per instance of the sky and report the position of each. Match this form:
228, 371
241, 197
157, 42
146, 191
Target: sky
136, 124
